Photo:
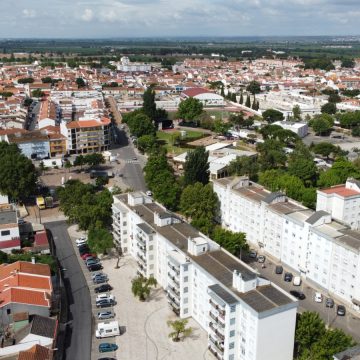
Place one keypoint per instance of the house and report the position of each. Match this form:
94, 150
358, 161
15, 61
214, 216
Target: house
9, 228
36, 352
24, 287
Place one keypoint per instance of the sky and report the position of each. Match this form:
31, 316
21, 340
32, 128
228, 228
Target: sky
165, 18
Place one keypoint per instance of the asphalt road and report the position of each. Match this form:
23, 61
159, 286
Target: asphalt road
349, 323
132, 171
79, 327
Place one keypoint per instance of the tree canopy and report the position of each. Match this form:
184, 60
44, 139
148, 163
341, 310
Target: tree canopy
196, 168
329, 108
18, 175
272, 115
139, 124
254, 87
190, 109
100, 240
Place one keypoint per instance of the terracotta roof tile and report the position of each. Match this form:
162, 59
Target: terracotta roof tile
341, 190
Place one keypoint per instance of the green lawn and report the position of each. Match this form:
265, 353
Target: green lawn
168, 137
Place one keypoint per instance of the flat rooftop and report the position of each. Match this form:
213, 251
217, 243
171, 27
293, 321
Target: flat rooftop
8, 217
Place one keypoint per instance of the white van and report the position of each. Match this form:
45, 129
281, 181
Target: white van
297, 281
107, 329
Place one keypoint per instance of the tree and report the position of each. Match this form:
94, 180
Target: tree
324, 149
350, 119
232, 242
347, 63
140, 124
254, 87
296, 112
190, 109
309, 329
141, 286
236, 120
37, 93
94, 159
272, 154
301, 164
80, 82
338, 173
100, 240
200, 203
241, 100
28, 101
18, 175
329, 108
321, 125
196, 167
253, 106
179, 327
6, 94
334, 98
221, 127
248, 101
46, 80
101, 181
28, 80
149, 106
244, 165
79, 161
146, 142
272, 115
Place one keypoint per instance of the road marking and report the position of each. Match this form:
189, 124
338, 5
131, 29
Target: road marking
132, 161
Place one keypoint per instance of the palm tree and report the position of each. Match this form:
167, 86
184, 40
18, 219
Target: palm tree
179, 327
141, 286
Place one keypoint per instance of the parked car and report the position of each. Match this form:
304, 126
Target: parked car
261, 258
341, 310
298, 294
103, 288
87, 255
297, 281
252, 254
105, 303
80, 241
95, 267
84, 248
288, 276
149, 193
98, 274
92, 261
279, 269
106, 347
104, 296
103, 315
100, 279
318, 297
329, 303
106, 358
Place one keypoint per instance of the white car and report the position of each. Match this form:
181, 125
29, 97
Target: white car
149, 193
81, 241
105, 296
318, 297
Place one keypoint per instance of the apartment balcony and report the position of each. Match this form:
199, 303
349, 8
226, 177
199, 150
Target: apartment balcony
173, 279
215, 353
142, 249
173, 301
218, 321
175, 291
217, 329
141, 258
173, 268
140, 240
219, 346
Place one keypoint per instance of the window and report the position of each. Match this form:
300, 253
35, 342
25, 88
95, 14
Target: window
232, 333
151, 247
186, 279
232, 308
5, 232
151, 266
186, 289
186, 300
151, 257
232, 321
231, 345
186, 310
231, 357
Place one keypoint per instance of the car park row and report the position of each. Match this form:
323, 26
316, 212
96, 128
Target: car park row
104, 301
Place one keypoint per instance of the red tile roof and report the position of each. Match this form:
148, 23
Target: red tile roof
24, 296
7, 244
88, 123
37, 352
195, 91
24, 267
41, 238
340, 190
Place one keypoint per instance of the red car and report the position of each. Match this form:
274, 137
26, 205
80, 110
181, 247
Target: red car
87, 255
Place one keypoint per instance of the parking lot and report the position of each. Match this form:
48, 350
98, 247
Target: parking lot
143, 325
349, 323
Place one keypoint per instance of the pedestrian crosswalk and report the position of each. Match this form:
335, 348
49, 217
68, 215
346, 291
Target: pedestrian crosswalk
130, 161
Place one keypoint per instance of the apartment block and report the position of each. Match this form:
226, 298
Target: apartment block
321, 246
9, 228
86, 135
244, 315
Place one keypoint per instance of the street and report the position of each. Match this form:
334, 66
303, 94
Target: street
78, 340
349, 323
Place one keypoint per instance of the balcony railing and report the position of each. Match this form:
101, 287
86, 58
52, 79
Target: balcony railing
173, 279
174, 291
141, 258
219, 346
218, 320
173, 268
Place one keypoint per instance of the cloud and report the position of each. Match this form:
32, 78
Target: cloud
28, 13
115, 18
87, 15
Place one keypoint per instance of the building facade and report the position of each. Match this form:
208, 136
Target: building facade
9, 229
315, 244
244, 315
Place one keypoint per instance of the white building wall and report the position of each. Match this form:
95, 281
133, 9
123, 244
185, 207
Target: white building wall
275, 343
273, 229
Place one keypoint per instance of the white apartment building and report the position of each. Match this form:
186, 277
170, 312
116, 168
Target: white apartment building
9, 228
318, 245
244, 315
